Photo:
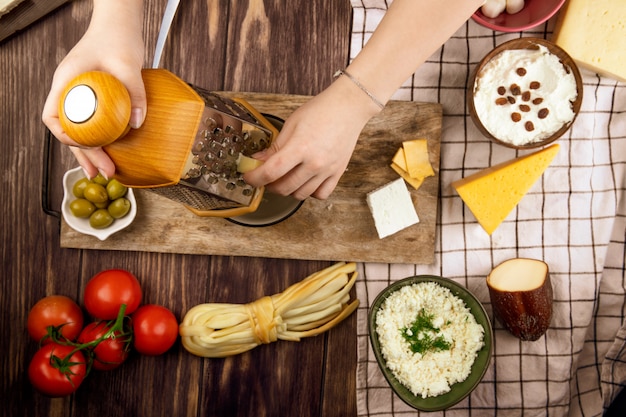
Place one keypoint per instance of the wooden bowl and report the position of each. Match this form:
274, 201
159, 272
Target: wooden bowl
534, 13
523, 44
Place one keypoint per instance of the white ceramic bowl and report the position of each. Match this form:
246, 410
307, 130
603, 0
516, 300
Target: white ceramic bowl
82, 225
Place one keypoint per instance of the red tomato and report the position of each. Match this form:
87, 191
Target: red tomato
109, 353
53, 373
108, 290
155, 329
57, 311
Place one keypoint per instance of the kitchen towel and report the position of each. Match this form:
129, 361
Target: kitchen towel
574, 218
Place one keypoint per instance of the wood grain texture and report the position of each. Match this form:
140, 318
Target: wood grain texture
280, 379
25, 14
340, 228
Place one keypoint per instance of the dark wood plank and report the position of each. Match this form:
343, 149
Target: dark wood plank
279, 379
25, 14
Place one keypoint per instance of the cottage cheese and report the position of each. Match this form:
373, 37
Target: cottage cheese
433, 372
523, 96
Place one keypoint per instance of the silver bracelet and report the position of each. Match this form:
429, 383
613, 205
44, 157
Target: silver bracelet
361, 86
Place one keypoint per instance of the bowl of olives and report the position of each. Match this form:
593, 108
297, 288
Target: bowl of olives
98, 207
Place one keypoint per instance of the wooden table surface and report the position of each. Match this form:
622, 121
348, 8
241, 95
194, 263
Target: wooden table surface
219, 45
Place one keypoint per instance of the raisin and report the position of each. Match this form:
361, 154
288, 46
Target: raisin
529, 126
501, 90
515, 89
516, 117
524, 108
501, 101
521, 71
511, 99
538, 101
543, 113
535, 85
526, 95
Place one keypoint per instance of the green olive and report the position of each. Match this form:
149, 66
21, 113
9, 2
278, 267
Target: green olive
95, 193
99, 179
79, 187
82, 208
116, 189
103, 205
100, 219
119, 208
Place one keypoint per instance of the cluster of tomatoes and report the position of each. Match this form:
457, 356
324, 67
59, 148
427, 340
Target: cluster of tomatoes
69, 351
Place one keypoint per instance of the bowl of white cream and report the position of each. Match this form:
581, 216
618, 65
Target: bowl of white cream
526, 93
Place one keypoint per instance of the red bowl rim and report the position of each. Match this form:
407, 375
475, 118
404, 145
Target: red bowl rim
481, 19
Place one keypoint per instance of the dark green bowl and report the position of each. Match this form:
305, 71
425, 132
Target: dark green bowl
459, 390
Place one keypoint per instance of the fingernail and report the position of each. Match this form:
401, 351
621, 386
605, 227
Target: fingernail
136, 118
106, 177
86, 174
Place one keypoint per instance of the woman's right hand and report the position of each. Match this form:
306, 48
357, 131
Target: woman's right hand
113, 43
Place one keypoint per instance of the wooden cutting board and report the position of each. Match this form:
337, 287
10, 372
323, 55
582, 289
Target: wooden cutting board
340, 228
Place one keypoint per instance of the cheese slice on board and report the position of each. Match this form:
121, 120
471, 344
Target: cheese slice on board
416, 156
491, 194
593, 33
414, 182
398, 164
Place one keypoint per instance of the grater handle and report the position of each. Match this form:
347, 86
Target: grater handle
94, 109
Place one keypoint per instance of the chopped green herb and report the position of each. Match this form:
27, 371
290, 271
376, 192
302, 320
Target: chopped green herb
423, 336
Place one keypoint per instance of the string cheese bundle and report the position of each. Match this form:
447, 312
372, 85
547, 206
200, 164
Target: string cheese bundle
307, 308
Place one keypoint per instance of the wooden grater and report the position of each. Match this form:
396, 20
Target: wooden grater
187, 147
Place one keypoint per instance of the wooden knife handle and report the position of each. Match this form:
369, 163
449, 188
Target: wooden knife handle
94, 109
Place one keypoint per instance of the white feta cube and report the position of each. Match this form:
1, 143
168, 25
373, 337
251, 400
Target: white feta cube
392, 208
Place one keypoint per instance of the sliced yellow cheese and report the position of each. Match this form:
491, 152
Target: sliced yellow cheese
593, 33
416, 157
414, 182
399, 159
491, 194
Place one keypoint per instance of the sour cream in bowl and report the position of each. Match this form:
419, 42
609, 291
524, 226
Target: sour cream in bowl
525, 93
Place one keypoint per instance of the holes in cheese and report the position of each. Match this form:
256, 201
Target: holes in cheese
521, 296
491, 194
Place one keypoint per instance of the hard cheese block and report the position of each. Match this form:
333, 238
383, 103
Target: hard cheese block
593, 33
491, 194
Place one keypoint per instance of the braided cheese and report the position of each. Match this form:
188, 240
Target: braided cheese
307, 308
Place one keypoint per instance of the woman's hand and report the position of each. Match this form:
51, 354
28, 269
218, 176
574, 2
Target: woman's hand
314, 147
113, 43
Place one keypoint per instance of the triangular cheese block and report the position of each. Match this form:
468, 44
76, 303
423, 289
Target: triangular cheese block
491, 194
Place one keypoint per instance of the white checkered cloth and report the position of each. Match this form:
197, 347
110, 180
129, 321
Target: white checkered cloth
574, 218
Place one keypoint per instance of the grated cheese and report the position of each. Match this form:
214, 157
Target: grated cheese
433, 372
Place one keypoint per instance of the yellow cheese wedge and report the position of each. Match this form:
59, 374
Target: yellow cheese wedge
593, 33
491, 194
